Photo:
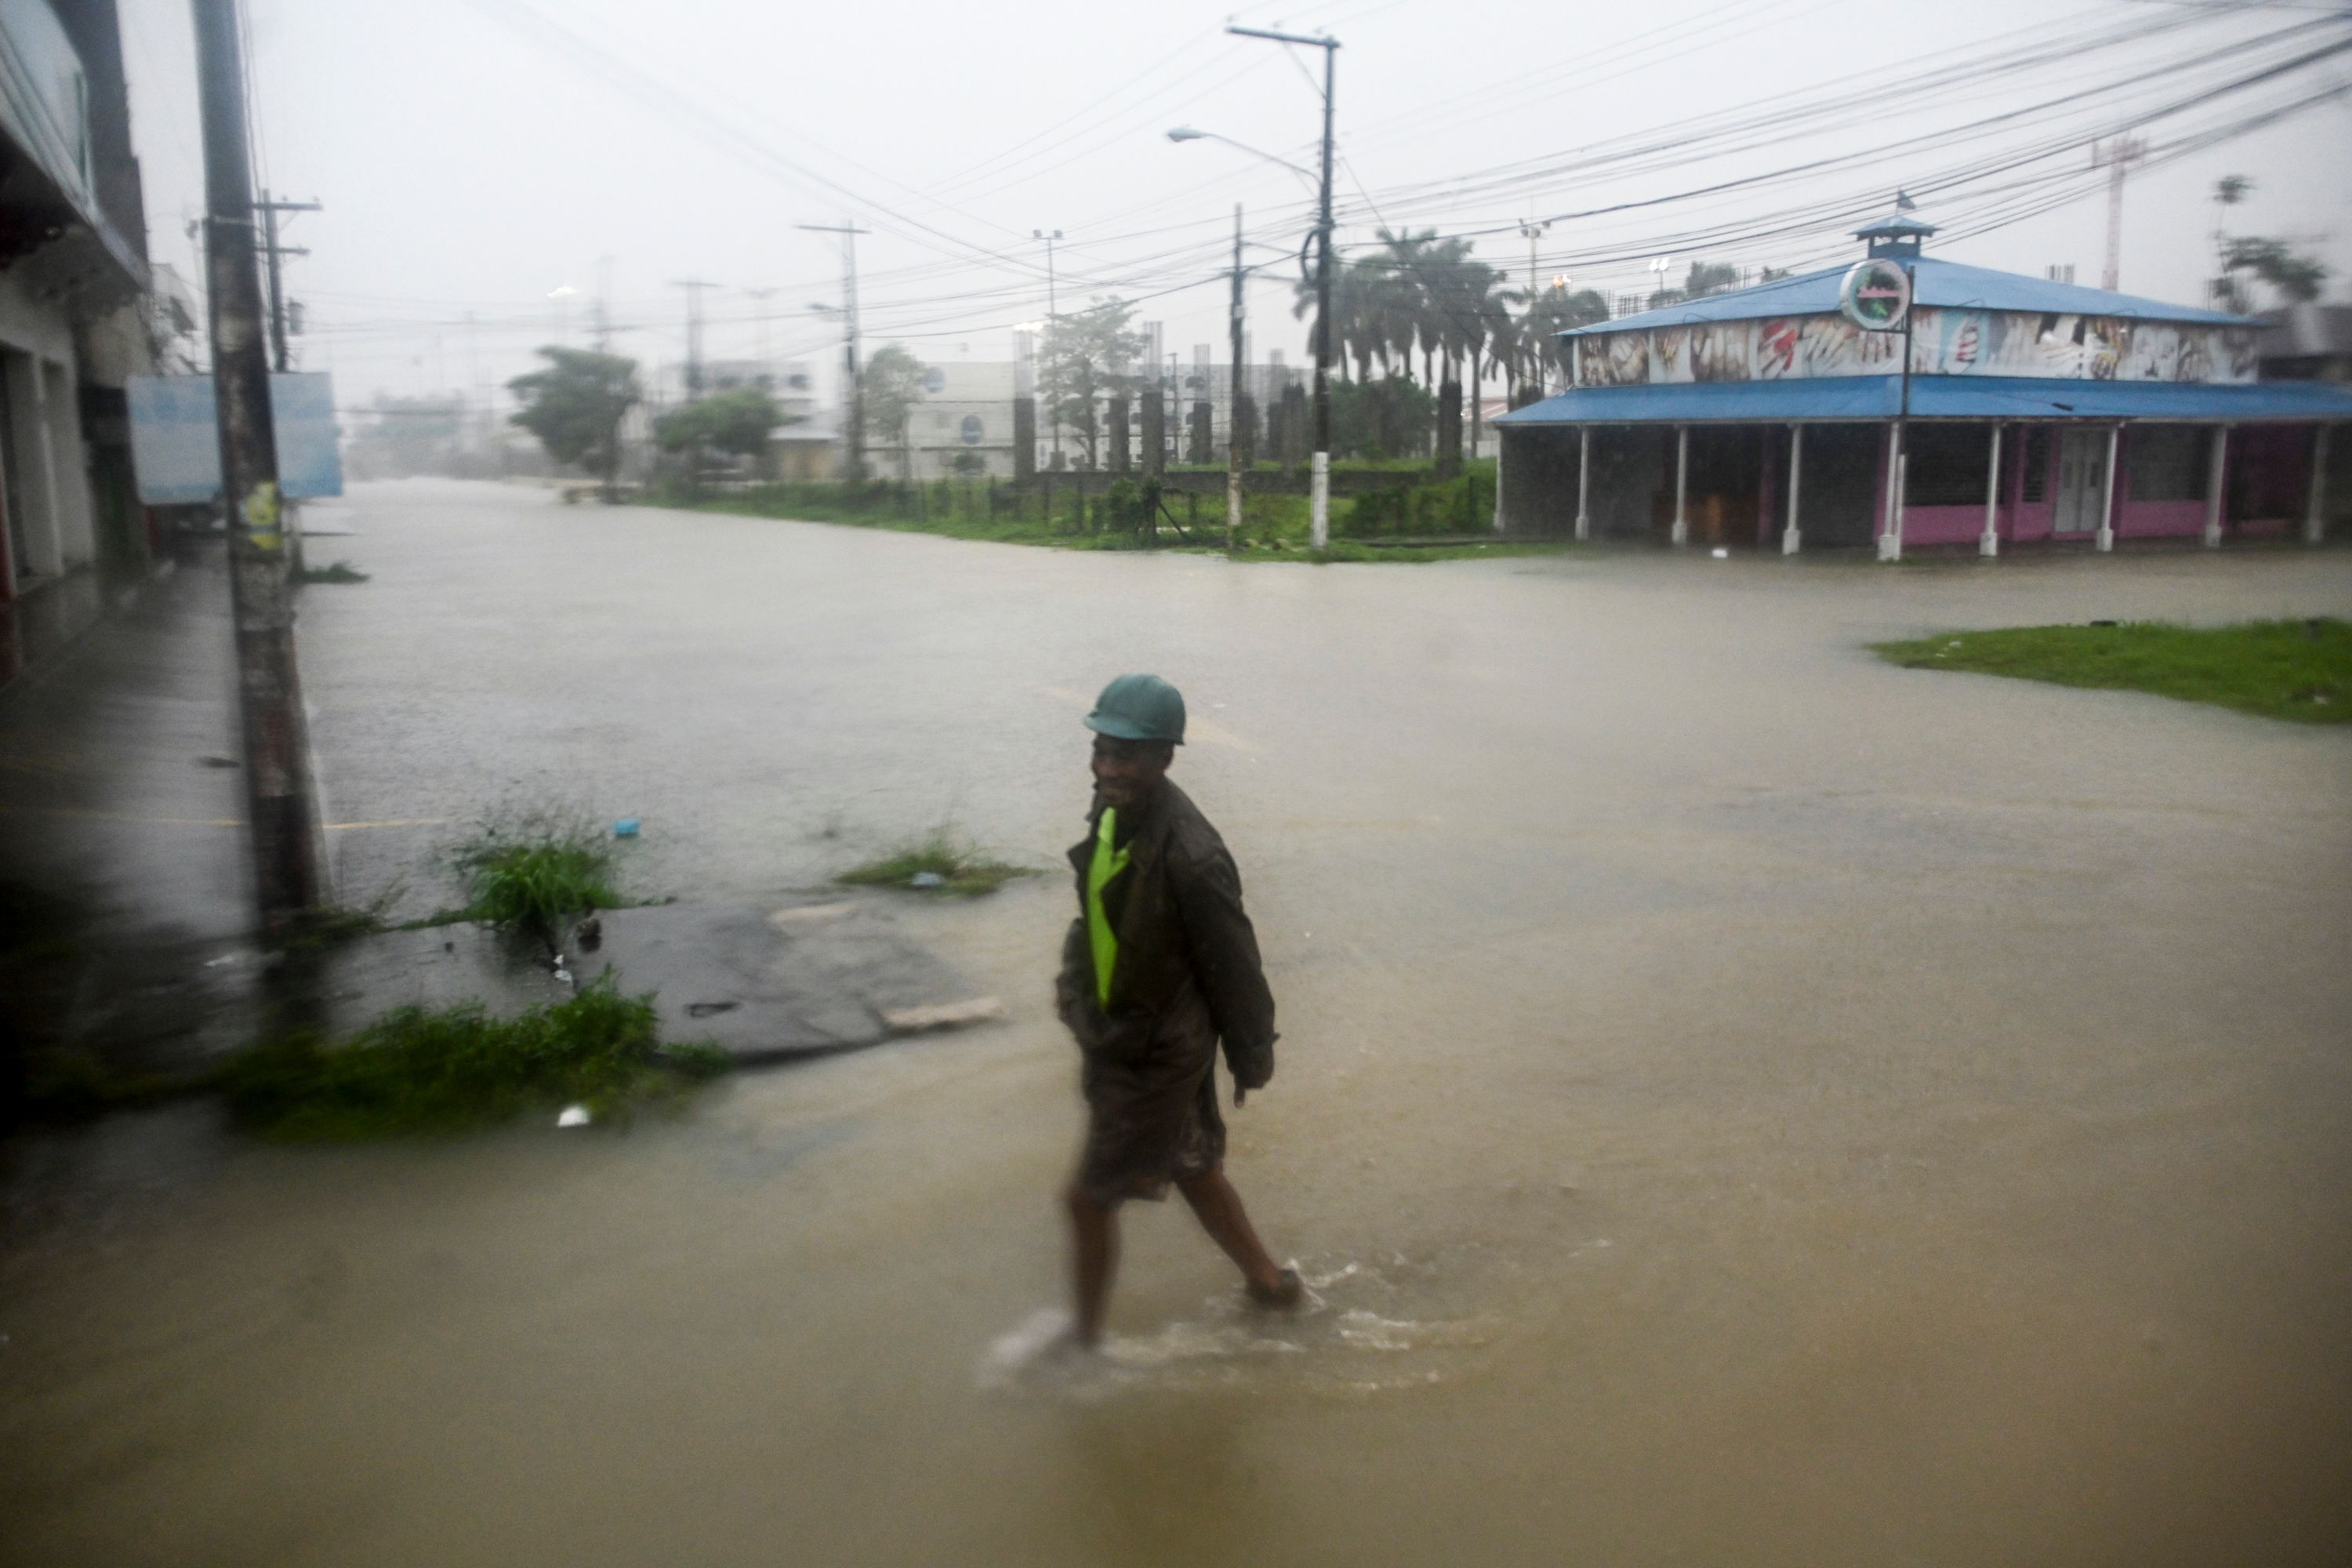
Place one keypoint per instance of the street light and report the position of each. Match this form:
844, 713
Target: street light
1319, 503
1190, 133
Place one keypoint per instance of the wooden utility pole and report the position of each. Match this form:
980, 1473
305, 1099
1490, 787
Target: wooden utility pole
269, 211
277, 741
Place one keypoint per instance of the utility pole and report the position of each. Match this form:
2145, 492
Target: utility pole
853, 396
760, 298
694, 287
1319, 493
1233, 418
270, 688
2116, 156
1534, 232
1052, 321
269, 211
603, 305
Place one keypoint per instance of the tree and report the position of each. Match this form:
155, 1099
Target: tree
1556, 311
740, 421
887, 390
2296, 279
1084, 360
1707, 278
575, 405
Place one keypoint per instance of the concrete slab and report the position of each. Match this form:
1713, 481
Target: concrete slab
440, 966
768, 984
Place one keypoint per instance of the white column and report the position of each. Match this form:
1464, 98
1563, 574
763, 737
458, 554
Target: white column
1989, 543
1790, 538
1890, 537
1319, 503
1583, 483
53, 495
2214, 470
2106, 538
2315, 519
1682, 484
1502, 459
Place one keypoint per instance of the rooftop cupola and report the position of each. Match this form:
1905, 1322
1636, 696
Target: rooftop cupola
1899, 233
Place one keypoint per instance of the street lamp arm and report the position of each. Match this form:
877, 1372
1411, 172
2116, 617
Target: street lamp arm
1187, 133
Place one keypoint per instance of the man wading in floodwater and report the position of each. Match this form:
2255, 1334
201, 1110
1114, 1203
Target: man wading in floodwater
1159, 965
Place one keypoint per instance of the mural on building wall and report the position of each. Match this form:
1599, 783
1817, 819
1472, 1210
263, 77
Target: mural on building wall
1720, 351
1618, 359
2070, 347
1670, 355
1945, 342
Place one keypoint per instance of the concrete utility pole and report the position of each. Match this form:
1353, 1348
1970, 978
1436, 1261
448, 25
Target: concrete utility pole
1234, 419
1534, 232
604, 304
1319, 495
854, 401
270, 688
2116, 156
269, 211
1053, 321
694, 287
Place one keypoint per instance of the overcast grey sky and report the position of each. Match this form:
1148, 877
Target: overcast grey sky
479, 156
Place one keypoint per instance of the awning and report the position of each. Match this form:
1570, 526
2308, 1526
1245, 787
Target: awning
1830, 399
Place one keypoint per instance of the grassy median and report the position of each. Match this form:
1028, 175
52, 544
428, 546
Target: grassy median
2300, 670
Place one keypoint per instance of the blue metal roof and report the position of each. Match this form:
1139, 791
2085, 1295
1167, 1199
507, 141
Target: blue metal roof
1718, 402
1831, 398
1934, 281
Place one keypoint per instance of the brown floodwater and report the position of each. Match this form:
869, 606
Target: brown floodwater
1738, 1102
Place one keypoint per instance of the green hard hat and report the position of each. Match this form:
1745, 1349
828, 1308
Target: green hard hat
1140, 708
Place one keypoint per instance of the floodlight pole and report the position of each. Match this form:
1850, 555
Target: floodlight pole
1319, 503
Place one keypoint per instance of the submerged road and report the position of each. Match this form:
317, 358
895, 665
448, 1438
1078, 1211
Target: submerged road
1740, 1102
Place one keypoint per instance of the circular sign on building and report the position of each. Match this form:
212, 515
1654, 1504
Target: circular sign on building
971, 431
1875, 295
935, 381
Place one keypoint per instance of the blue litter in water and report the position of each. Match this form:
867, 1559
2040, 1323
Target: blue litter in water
927, 880
625, 828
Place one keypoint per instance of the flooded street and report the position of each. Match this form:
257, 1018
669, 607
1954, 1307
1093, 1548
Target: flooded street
1738, 1102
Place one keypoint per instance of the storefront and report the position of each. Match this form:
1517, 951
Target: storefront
1988, 408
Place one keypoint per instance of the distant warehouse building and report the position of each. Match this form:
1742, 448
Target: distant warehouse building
2029, 411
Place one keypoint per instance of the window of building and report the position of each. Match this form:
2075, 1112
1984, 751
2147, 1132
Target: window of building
2036, 476
2168, 461
1949, 465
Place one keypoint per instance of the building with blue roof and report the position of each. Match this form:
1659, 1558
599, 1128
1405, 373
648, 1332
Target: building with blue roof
2002, 409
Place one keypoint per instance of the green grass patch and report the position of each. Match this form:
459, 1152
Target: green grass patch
341, 571
458, 1069
1399, 501
1417, 552
2300, 670
533, 877
960, 870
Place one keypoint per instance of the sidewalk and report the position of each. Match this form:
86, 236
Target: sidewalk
123, 844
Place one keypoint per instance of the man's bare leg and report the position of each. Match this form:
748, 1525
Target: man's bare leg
1094, 1254
1219, 1209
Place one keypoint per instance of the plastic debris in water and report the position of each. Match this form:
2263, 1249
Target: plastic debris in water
626, 827
927, 880
573, 1116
